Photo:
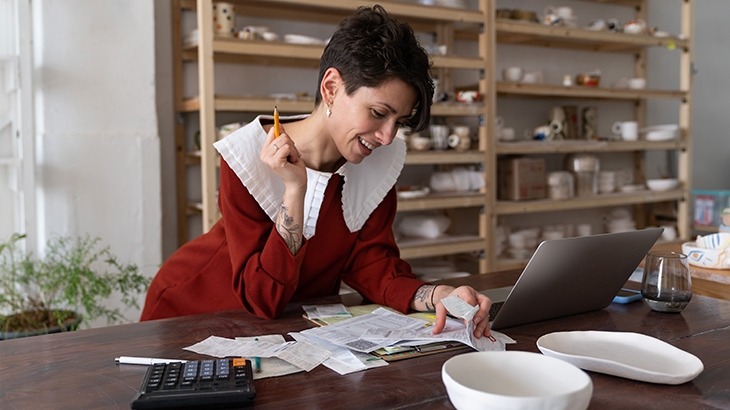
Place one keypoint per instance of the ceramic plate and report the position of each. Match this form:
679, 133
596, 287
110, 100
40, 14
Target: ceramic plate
632, 188
409, 192
300, 39
623, 354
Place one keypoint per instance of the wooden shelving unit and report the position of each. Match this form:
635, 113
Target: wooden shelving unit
510, 32
447, 25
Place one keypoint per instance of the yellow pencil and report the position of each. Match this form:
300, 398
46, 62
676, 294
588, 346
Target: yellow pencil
276, 123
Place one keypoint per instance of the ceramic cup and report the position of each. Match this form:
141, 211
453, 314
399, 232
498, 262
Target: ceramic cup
533, 77
552, 20
460, 139
224, 19
545, 132
583, 229
606, 182
628, 130
637, 26
563, 12
598, 25
613, 25
439, 136
513, 74
507, 134
419, 143
670, 233
637, 83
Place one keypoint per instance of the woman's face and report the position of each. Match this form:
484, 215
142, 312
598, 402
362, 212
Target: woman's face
369, 118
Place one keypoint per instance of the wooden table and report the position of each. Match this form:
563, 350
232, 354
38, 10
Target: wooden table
707, 282
76, 370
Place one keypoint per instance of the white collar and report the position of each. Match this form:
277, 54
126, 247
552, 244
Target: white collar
365, 186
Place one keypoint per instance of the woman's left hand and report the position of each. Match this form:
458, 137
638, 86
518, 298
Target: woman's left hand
470, 296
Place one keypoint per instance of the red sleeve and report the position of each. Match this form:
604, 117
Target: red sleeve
265, 274
375, 268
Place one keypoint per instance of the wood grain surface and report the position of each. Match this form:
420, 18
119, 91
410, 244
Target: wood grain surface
77, 369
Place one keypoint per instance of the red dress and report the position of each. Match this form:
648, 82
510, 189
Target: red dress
243, 262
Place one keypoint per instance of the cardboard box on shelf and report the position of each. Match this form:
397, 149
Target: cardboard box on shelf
521, 178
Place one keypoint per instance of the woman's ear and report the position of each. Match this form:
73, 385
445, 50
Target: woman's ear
331, 82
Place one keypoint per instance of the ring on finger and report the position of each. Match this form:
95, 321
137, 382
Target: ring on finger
276, 147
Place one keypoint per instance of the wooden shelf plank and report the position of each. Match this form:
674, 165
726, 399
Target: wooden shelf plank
444, 157
578, 146
473, 63
233, 50
598, 201
397, 8
709, 229
457, 109
251, 104
264, 104
540, 35
443, 201
422, 248
546, 90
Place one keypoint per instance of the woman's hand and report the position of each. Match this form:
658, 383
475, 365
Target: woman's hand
470, 296
281, 155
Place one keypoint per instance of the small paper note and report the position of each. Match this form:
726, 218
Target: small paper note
326, 311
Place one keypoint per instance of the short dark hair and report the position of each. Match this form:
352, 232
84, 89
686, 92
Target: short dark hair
371, 47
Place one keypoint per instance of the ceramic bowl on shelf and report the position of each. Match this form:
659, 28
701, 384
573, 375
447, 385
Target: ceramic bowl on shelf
514, 380
662, 184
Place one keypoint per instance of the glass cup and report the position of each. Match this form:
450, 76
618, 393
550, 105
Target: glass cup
666, 285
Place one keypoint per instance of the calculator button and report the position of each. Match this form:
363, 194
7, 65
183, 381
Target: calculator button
196, 382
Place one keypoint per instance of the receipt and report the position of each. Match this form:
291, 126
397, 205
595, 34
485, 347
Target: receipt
303, 354
459, 308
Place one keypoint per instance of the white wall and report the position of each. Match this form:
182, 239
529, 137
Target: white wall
98, 146
711, 104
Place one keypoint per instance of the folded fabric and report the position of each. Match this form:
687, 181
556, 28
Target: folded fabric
424, 226
458, 179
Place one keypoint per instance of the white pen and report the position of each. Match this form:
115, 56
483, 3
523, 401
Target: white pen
145, 360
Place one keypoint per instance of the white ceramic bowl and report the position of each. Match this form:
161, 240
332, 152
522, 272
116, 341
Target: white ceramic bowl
664, 184
515, 380
706, 258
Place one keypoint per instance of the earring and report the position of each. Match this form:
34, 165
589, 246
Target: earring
329, 112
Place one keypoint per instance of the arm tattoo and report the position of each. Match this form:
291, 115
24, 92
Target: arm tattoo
288, 230
423, 294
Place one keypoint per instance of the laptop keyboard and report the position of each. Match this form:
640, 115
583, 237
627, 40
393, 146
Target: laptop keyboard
494, 309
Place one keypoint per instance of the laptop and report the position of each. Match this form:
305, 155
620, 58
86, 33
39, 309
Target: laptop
571, 275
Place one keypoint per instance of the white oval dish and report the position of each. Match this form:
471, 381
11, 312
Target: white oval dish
515, 380
665, 132
623, 354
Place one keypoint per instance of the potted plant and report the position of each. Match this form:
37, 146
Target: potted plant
68, 284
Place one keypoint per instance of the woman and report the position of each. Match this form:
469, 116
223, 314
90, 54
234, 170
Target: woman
310, 208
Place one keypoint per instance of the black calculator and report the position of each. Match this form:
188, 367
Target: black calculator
197, 384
